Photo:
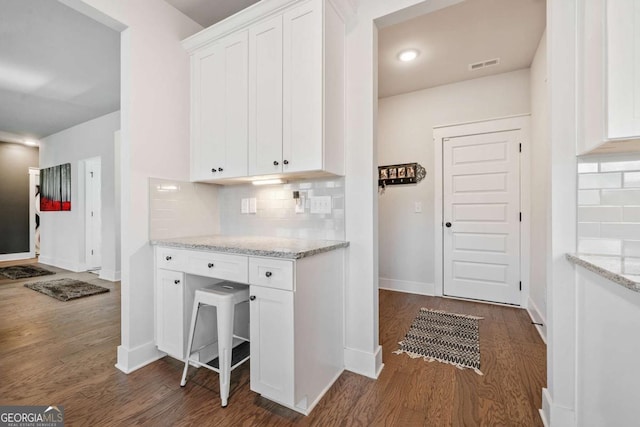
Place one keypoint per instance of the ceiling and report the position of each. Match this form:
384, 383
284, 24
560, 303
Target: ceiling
208, 12
58, 68
452, 38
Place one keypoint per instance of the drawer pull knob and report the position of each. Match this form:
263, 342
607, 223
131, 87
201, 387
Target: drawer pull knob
268, 274
220, 169
210, 265
252, 297
168, 257
177, 281
214, 170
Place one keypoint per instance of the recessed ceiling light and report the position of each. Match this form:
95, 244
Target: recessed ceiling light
408, 55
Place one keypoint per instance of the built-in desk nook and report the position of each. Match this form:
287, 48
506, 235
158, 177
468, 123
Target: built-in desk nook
295, 312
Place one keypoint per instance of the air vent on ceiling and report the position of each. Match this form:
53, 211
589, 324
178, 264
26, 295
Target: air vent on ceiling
484, 64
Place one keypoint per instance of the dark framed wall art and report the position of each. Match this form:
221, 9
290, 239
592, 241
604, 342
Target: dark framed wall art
55, 188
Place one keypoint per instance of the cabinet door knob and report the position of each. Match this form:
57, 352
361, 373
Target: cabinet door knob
268, 274
210, 265
275, 163
286, 162
252, 297
220, 169
214, 170
448, 224
168, 257
177, 281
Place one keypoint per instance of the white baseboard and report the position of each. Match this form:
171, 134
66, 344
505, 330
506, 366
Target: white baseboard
537, 317
130, 360
420, 288
64, 264
110, 275
554, 415
17, 256
363, 363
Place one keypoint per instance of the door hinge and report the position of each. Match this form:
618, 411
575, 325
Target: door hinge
91, 213
520, 148
91, 174
520, 285
520, 216
91, 251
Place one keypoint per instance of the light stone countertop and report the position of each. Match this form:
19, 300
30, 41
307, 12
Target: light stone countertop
275, 247
607, 267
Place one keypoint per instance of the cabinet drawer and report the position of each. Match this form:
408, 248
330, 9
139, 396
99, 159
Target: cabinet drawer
170, 258
272, 273
219, 266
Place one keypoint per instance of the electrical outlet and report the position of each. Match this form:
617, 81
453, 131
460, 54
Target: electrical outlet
300, 205
320, 204
244, 206
417, 207
253, 205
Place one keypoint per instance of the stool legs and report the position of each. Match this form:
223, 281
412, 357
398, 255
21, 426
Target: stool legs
225, 347
194, 318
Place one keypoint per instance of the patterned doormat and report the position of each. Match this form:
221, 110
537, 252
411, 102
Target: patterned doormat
445, 337
66, 289
23, 272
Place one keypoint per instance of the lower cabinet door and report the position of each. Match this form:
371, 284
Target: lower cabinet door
272, 358
170, 327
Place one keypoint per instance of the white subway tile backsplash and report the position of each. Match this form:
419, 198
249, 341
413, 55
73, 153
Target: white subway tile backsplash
631, 248
587, 167
588, 229
600, 246
588, 197
632, 266
599, 180
627, 231
620, 197
599, 213
632, 179
631, 214
620, 166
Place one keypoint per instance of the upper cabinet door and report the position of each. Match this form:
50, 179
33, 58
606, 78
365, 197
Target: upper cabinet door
220, 109
302, 146
623, 68
265, 97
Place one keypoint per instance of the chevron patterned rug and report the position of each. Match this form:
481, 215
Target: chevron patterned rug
445, 337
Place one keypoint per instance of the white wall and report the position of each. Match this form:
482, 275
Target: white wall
540, 186
154, 143
63, 233
405, 134
608, 317
363, 353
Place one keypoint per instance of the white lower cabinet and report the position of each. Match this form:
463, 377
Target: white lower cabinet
170, 315
272, 371
295, 312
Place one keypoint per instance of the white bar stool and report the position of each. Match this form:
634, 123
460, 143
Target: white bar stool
224, 296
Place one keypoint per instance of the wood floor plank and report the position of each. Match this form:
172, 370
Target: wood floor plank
54, 352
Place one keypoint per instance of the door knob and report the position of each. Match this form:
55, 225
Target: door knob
448, 224
252, 297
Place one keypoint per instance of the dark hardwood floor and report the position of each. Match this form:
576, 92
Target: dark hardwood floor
63, 353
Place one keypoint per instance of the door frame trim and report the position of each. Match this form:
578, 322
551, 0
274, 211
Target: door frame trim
519, 122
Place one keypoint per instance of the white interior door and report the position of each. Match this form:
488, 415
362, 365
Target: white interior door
93, 213
481, 216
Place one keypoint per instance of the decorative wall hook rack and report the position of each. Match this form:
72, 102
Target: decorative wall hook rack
405, 173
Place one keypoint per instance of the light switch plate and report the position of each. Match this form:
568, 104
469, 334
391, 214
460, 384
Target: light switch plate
417, 208
244, 206
300, 205
320, 204
253, 205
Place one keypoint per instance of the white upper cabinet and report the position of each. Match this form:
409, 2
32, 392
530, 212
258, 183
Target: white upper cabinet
292, 113
609, 72
219, 91
265, 97
623, 68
